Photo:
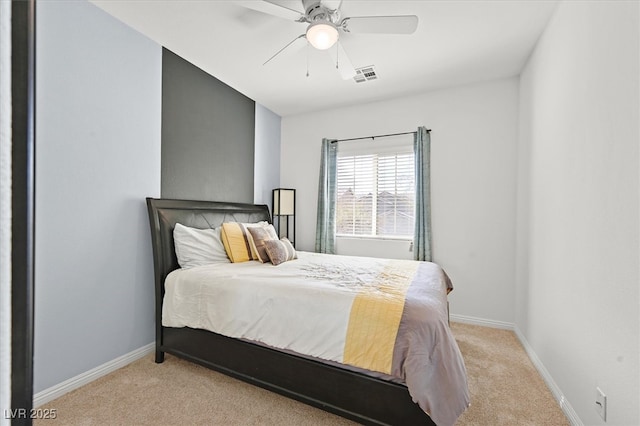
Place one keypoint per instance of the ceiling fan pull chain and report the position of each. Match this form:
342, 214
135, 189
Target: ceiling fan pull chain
337, 56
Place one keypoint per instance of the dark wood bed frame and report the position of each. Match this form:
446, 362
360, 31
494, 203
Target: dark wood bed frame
353, 395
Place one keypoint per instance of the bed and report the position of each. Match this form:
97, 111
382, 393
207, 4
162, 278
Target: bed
349, 391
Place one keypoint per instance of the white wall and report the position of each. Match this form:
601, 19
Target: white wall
474, 138
267, 155
578, 216
5, 209
97, 157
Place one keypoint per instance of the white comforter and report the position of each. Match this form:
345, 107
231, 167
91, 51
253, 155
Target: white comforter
309, 317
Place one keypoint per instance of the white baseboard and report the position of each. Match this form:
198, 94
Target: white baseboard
481, 321
566, 407
60, 389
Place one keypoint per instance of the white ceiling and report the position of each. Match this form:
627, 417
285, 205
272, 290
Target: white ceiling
456, 43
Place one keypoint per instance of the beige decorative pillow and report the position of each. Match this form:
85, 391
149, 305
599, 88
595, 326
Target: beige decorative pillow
259, 235
280, 251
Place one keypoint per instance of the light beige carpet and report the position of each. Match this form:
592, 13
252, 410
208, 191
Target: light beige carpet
505, 390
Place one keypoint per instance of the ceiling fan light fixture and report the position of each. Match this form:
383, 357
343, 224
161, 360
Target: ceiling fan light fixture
322, 35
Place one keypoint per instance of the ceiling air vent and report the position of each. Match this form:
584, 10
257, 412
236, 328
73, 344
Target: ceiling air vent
365, 74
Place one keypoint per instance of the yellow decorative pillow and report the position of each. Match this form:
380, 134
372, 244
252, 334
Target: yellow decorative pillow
238, 241
235, 242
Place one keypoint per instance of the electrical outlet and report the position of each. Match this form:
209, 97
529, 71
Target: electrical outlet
601, 404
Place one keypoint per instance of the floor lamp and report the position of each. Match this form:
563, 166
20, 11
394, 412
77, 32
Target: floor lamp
284, 207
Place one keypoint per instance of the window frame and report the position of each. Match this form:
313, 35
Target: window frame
391, 146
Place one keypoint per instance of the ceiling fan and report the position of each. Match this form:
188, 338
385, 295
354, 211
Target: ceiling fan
325, 23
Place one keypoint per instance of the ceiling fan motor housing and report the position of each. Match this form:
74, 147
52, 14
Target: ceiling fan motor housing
316, 11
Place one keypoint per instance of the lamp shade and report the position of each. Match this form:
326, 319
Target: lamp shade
284, 201
322, 35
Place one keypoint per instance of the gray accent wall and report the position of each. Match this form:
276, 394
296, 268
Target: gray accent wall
98, 111
118, 119
207, 135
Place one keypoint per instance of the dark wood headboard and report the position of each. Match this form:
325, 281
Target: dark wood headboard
163, 216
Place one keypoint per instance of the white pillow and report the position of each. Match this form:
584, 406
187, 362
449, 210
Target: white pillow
196, 247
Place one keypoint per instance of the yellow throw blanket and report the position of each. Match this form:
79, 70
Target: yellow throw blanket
375, 317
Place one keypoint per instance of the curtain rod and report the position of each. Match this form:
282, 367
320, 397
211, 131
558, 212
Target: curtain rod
375, 136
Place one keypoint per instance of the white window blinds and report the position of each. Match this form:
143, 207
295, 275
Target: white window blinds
376, 188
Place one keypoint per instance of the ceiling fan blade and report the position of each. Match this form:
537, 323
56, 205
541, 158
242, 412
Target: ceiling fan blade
342, 62
301, 36
401, 24
270, 8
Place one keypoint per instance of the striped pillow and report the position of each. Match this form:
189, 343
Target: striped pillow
280, 251
259, 235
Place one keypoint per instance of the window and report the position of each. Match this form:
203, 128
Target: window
375, 194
